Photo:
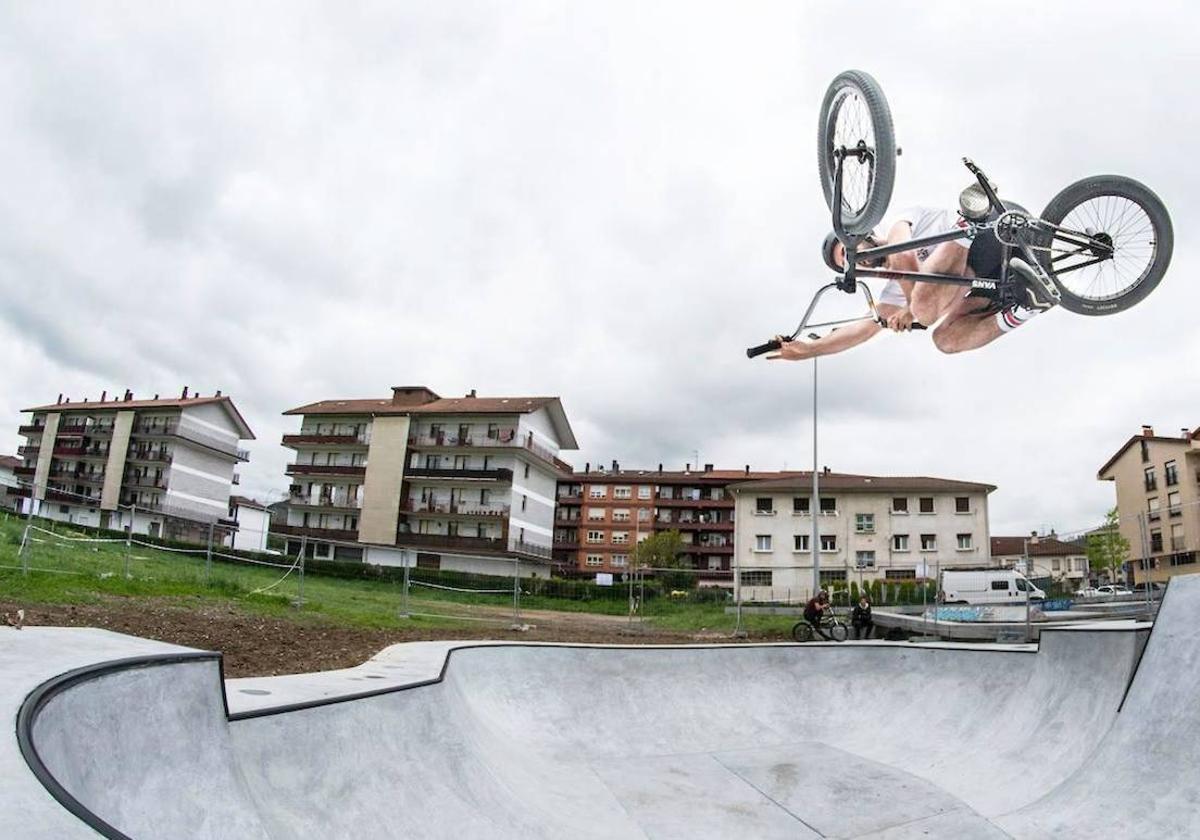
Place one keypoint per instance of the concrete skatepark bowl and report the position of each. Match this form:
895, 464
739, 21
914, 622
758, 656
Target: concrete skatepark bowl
1093, 733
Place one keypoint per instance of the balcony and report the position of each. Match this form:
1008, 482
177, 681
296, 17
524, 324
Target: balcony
25, 471
528, 549
96, 477
695, 503
153, 430
325, 469
700, 526
102, 454
68, 451
448, 543
157, 482
453, 473
149, 456
31, 429
334, 534
335, 501
458, 508
708, 549
501, 439
28, 451
73, 430
308, 439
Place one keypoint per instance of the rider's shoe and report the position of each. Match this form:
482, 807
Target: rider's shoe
1042, 292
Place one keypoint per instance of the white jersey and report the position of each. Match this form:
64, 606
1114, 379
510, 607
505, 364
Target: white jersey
924, 221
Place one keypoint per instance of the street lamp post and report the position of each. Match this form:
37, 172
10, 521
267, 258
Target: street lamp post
814, 506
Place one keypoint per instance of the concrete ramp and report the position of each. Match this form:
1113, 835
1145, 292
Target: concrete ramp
497, 740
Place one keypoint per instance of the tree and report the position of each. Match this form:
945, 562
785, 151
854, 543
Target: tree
1107, 550
662, 553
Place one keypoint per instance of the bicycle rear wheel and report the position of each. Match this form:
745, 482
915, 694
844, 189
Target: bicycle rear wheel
802, 631
1120, 213
855, 114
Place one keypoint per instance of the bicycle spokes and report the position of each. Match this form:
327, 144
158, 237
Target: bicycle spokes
854, 129
1103, 248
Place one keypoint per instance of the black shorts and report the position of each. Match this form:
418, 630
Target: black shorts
986, 256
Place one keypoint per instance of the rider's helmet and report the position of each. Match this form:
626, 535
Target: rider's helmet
831, 240
822, 595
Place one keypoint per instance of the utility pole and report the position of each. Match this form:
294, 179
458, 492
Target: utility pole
814, 506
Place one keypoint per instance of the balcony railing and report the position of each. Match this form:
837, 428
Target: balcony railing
335, 501
29, 471
501, 474
153, 456
68, 451
73, 430
541, 552
92, 452
334, 534
31, 429
449, 543
325, 469
159, 482
458, 508
501, 439
28, 451
308, 438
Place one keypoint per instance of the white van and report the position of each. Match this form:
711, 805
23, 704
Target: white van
987, 586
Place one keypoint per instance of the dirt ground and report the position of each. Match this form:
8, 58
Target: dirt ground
255, 645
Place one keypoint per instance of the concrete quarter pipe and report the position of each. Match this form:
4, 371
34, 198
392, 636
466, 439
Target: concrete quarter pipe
1093, 734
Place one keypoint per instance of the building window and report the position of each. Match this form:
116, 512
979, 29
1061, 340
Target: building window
527, 471
864, 523
926, 504
864, 559
1185, 559
597, 491
595, 536
899, 505
1151, 482
1177, 543
1173, 508
595, 560
929, 542
756, 578
900, 574
595, 514
1152, 508
832, 575
762, 542
620, 537
621, 515
800, 504
899, 542
644, 491
1156, 542
764, 505
524, 501
622, 492
964, 542
643, 514
1171, 473
620, 561
801, 542
828, 542
828, 506
962, 504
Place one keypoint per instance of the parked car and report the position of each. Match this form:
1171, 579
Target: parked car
1113, 589
1086, 592
1155, 586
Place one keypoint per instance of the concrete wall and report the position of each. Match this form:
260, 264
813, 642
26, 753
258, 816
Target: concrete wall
254, 526
114, 467
381, 487
42, 472
199, 481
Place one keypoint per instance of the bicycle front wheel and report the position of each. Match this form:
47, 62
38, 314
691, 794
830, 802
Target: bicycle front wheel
1131, 243
838, 632
855, 115
802, 631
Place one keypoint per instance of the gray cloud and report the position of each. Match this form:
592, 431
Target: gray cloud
604, 202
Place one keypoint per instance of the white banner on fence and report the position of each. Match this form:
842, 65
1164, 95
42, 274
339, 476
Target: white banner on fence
604, 579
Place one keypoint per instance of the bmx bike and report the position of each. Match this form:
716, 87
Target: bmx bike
1099, 247
833, 626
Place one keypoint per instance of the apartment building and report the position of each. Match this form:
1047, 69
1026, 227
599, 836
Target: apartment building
603, 513
1157, 483
869, 528
166, 465
462, 484
253, 524
1045, 555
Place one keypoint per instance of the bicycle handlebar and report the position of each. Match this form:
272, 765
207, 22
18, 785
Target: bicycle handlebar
774, 344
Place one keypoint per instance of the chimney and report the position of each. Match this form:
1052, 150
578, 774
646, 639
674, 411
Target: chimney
687, 468
156, 396
1147, 431
218, 392
660, 467
85, 399
471, 394
103, 396
747, 469
183, 396
616, 466
59, 400
128, 395
708, 467
825, 470
587, 468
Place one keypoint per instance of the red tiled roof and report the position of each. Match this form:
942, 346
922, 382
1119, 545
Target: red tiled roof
10, 461
246, 502
124, 405
672, 476
865, 483
1044, 547
460, 405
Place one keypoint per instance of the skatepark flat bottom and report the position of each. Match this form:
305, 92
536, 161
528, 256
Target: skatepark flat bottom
129, 738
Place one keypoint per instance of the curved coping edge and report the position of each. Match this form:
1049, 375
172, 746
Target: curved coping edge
37, 699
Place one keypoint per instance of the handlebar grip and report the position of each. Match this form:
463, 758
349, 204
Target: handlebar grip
916, 325
762, 348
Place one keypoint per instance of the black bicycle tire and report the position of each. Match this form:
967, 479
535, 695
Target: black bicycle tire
880, 195
802, 631
838, 632
1115, 185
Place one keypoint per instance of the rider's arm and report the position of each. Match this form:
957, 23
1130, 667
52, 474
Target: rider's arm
901, 231
835, 342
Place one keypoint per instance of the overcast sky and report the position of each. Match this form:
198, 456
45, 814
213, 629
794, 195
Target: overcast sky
606, 202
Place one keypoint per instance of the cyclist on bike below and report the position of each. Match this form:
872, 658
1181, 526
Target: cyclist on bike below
814, 611
966, 322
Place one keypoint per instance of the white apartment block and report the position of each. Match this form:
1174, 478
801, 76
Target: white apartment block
869, 528
464, 484
166, 465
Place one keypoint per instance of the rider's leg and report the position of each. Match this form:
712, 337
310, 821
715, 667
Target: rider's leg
931, 301
968, 326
